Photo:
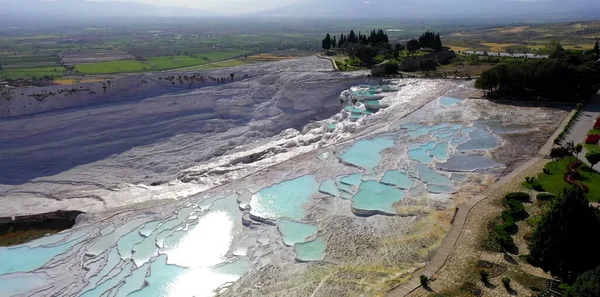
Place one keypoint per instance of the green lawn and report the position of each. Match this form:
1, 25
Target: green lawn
16, 73
157, 63
592, 147
554, 182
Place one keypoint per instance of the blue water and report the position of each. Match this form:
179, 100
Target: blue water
161, 278
372, 105
447, 101
109, 282
346, 196
344, 188
125, 244
112, 260
237, 267
295, 232
468, 163
284, 200
311, 251
352, 179
397, 178
109, 239
421, 154
331, 127
133, 282
24, 258
366, 153
440, 151
481, 139
376, 196
430, 176
328, 187
47, 240
18, 284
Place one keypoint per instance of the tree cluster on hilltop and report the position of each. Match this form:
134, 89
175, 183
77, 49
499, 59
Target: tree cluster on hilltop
565, 76
376, 37
431, 40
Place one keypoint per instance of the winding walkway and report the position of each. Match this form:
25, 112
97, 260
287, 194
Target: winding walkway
457, 231
333, 64
584, 124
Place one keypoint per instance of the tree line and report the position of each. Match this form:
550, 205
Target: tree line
564, 76
376, 37
431, 40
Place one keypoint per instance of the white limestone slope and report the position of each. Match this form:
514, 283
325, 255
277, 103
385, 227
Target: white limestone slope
126, 148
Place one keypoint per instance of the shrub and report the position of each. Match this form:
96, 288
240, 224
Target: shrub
471, 288
424, 280
519, 196
484, 275
546, 171
597, 124
515, 211
391, 68
506, 282
592, 139
545, 196
538, 187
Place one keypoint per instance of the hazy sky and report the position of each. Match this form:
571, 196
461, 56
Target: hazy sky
221, 6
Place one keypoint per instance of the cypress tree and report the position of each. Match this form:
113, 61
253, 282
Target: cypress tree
597, 48
334, 43
438, 43
326, 43
352, 37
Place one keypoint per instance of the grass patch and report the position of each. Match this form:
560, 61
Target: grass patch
23, 236
227, 63
497, 47
38, 72
157, 63
554, 182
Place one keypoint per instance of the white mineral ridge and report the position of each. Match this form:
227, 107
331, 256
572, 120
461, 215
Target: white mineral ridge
108, 152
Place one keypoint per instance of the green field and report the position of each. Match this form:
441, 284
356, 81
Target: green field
29, 72
157, 63
554, 182
227, 63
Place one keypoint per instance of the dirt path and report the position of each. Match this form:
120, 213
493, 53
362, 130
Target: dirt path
460, 247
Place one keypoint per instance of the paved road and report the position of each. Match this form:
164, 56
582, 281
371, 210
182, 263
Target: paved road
583, 125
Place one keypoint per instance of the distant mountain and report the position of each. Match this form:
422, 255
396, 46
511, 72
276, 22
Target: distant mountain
89, 9
435, 8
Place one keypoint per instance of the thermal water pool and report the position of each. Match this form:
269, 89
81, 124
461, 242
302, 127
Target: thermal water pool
166, 252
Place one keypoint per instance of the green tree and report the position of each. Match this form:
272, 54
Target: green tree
554, 48
397, 49
366, 54
487, 81
560, 241
427, 65
438, 43
586, 285
427, 40
334, 43
352, 37
413, 45
597, 48
578, 149
593, 157
326, 43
